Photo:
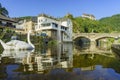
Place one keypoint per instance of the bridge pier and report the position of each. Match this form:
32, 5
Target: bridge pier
116, 41
92, 46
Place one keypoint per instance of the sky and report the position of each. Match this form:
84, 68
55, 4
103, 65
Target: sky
59, 8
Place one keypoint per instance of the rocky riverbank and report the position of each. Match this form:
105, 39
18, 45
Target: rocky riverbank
116, 49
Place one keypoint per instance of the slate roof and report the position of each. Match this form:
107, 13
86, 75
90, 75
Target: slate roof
6, 18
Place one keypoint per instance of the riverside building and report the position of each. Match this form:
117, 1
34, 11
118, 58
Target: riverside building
58, 29
6, 22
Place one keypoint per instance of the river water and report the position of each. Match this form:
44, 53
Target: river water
61, 62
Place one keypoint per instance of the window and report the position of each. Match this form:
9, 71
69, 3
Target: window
39, 20
56, 25
62, 27
46, 24
45, 19
65, 28
0, 22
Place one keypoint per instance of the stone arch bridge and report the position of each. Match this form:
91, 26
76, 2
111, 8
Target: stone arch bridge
93, 37
96, 36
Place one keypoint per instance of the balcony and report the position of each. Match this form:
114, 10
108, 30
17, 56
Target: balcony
7, 25
48, 26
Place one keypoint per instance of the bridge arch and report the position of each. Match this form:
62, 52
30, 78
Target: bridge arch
104, 37
82, 42
75, 38
93, 37
96, 36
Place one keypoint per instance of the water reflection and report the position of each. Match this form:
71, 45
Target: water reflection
15, 53
59, 57
58, 63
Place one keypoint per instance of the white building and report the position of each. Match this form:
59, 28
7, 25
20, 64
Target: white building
90, 16
59, 29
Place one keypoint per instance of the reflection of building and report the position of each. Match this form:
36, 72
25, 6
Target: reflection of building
59, 29
0, 59
90, 16
62, 58
89, 68
16, 55
3, 73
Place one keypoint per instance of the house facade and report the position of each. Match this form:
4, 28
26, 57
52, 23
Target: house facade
24, 26
6, 22
58, 29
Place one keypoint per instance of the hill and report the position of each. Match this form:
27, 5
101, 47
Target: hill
86, 25
104, 25
113, 22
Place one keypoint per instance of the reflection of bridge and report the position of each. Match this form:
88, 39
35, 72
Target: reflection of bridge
107, 53
93, 37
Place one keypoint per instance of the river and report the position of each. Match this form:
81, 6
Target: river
61, 62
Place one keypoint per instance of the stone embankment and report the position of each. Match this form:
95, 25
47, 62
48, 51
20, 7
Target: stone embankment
116, 49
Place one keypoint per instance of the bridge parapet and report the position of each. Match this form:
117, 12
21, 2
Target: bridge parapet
95, 36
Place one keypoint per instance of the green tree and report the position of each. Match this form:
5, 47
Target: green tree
112, 23
3, 11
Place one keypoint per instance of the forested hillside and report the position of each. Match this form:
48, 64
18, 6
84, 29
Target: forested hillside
86, 25
104, 25
113, 22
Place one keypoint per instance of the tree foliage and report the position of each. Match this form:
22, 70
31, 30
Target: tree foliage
85, 25
26, 18
113, 22
104, 25
3, 11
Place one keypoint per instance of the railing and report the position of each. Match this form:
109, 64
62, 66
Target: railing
4, 26
97, 35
